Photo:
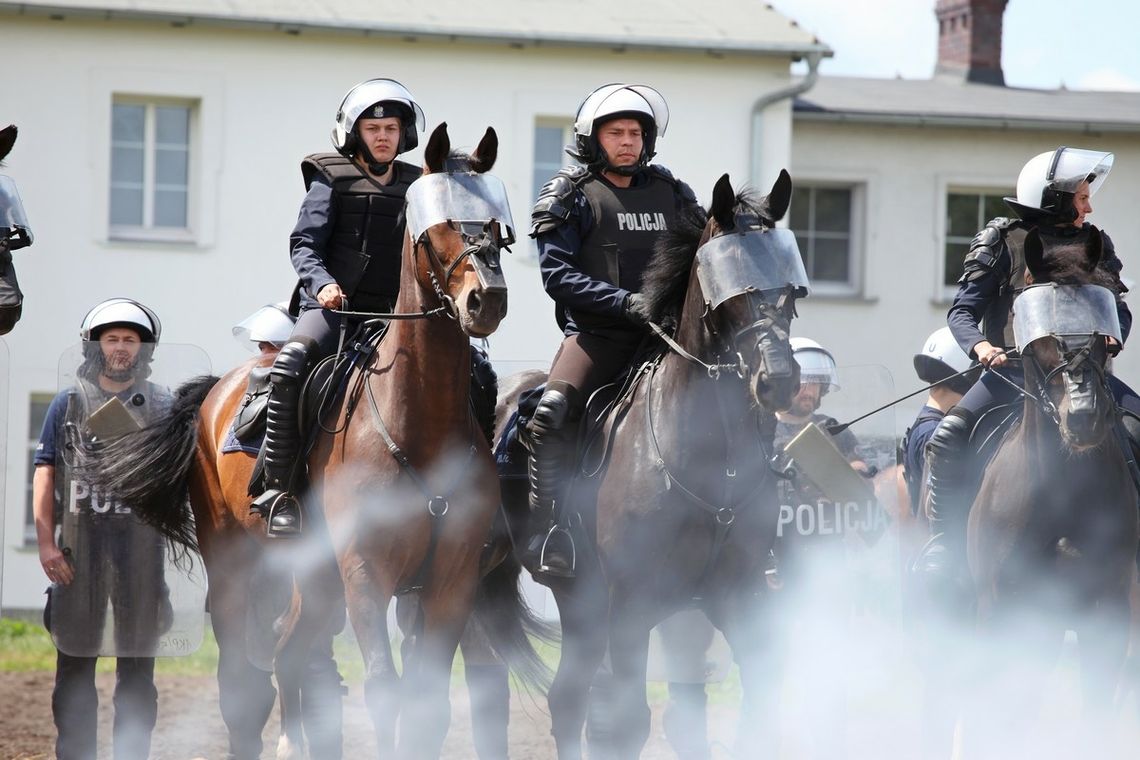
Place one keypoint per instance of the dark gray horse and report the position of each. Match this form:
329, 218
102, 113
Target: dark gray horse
14, 234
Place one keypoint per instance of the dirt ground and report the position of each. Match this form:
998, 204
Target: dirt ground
190, 726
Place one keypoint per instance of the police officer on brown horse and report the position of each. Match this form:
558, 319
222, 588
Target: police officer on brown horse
346, 249
595, 226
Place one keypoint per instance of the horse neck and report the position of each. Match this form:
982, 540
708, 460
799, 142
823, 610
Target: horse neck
424, 364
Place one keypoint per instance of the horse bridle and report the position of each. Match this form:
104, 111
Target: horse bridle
1072, 361
482, 248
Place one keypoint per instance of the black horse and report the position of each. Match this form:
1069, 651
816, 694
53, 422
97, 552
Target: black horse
686, 507
12, 236
1053, 531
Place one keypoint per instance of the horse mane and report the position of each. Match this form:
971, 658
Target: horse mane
1069, 265
667, 274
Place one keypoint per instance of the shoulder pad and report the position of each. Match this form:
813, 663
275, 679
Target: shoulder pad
986, 248
554, 203
328, 165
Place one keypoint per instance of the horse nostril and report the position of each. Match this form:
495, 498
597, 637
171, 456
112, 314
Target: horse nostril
474, 303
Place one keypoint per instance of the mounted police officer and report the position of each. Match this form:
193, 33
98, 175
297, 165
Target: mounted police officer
941, 361
595, 226
92, 548
346, 247
1054, 191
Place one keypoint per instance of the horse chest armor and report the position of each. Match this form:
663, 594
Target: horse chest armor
365, 246
627, 222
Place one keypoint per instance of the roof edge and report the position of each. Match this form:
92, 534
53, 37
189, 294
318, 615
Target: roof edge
975, 122
412, 32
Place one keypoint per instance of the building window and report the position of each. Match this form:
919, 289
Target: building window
550, 140
150, 167
38, 405
823, 219
966, 213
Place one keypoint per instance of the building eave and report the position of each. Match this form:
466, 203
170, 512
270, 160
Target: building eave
966, 122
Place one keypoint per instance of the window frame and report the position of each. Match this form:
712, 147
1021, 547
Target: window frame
34, 431
948, 186
148, 231
856, 251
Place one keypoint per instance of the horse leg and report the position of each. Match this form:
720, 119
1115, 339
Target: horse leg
582, 611
288, 667
368, 613
488, 687
619, 710
322, 692
1103, 639
442, 616
752, 627
245, 692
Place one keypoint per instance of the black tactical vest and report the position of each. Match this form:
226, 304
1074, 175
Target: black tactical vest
364, 250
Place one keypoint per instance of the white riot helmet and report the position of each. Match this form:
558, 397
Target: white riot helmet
817, 365
615, 101
1048, 180
271, 323
121, 312
377, 99
941, 358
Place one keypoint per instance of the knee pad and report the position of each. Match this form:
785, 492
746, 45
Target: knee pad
952, 434
560, 404
294, 359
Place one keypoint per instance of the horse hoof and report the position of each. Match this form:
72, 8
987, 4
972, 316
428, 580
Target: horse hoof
287, 750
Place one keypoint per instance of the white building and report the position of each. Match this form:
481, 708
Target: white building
160, 143
894, 177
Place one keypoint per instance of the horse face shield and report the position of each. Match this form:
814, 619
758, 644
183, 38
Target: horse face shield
474, 211
756, 275
14, 227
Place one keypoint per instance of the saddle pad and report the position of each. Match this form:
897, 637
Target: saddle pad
232, 444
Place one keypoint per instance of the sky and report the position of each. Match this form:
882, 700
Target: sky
1081, 44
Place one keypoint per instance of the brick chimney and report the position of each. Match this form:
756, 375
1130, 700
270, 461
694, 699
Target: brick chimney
969, 39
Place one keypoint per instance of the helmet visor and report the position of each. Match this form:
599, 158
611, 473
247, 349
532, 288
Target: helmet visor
14, 225
369, 93
622, 98
1075, 165
269, 324
1064, 310
459, 198
756, 260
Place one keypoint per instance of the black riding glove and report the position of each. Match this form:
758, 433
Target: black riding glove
633, 309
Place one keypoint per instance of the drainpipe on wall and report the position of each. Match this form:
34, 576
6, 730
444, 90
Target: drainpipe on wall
758, 174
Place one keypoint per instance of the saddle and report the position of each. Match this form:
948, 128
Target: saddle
323, 389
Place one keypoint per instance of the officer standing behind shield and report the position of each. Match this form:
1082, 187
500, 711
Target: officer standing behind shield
593, 246
94, 550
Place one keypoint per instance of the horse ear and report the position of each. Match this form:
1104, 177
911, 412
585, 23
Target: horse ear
1094, 249
487, 151
723, 203
7, 140
1035, 256
775, 203
438, 148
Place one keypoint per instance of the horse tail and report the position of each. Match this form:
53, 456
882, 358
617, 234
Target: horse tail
149, 469
512, 626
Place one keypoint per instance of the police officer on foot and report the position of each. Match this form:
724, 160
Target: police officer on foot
94, 551
346, 249
1054, 192
595, 226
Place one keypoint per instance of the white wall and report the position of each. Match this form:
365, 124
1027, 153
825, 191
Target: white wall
267, 99
905, 172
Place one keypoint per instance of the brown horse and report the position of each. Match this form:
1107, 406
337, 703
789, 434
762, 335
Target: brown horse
686, 509
408, 489
1053, 531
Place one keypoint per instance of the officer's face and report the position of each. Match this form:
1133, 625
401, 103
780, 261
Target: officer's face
807, 400
382, 136
622, 140
1082, 202
120, 347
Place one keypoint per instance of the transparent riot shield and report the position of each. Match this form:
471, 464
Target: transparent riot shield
3, 452
131, 595
839, 501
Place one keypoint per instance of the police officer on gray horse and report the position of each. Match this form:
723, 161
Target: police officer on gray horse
595, 226
1054, 191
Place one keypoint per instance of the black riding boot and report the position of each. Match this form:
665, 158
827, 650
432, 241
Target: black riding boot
283, 439
1129, 428
943, 559
551, 442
